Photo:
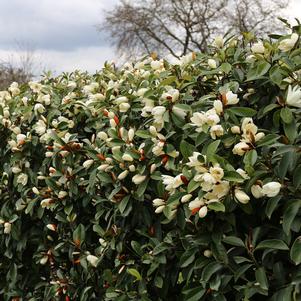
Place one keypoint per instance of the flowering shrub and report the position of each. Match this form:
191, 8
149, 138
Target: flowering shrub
156, 181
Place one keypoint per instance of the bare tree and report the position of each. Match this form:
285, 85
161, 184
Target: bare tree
176, 27
20, 67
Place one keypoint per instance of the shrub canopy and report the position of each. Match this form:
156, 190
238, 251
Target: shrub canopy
156, 181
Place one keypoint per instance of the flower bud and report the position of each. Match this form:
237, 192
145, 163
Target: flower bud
256, 191
88, 163
138, 179
241, 196
153, 130
212, 63
159, 209
7, 228
131, 134
271, 189
207, 253
132, 168
93, 260
123, 175
235, 129
186, 198
51, 227
158, 202
127, 157
203, 211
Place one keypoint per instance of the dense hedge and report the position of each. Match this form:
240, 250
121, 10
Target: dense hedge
156, 181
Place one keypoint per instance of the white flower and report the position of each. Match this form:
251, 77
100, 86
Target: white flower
207, 253
212, 63
240, 148
271, 189
102, 136
241, 196
93, 260
120, 100
196, 203
231, 98
46, 202
124, 107
194, 162
35, 87
243, 173
218, 106
216, 131
14, 88
44, 260
158, 113
218, 42
293, 97
212, 117
172, 183
159, 209
40, 127
171, 95
158, 202
62, 194
88, 163
39, 108
21, 138
256, 190
258, 48
138, 179
22, 179
235, 129
198, 119
16, 169
289, 43
203, 211
7, 228
186, 59
156, 65
217, 172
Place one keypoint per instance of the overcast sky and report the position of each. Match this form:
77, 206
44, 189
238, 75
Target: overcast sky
62, 32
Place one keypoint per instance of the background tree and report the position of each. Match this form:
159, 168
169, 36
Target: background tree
20, 67
176, 27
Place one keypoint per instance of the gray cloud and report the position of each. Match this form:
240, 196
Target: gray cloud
52, 24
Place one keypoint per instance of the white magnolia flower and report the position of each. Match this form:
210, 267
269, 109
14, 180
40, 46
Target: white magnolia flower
156, 65
271, 189
216, 131
293, 97
39, 108
218, 42
21, 138
158, 113
231, 98
171, 95
40, 127
241, 196
218, 106
240, 148
198, 119
289, 43
212, 63
196, 204
14, 88
243, 173
194, 162
124, 107
172, 183
138, 179
51, 227
235, 129
22, 179
35, 87
93, 260
217, 172
258, 48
